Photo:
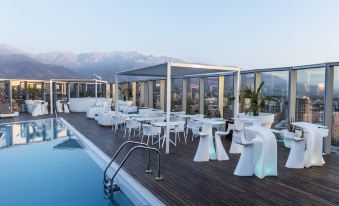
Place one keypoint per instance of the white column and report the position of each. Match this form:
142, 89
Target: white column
236, 93
96, 89
162, 94
292, 93
329, 78
51, 95
201, 95
134, 93
116, 92
221, 82
168, 114
150, 94
184, 95
257, 80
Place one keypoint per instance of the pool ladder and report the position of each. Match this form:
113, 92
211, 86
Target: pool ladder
109, 185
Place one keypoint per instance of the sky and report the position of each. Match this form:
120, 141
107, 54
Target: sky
250, 34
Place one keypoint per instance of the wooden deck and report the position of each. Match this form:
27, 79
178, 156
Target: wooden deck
212, 183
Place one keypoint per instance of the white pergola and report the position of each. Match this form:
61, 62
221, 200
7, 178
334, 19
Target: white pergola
171, 70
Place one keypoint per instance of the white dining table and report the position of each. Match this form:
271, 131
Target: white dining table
164, 125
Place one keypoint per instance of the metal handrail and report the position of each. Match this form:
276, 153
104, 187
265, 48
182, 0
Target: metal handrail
158, 177
116, 154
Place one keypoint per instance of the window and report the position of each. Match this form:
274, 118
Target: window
228, 96
247, 80
156, 94
276, 86
176, 93
310, 95
335, 121
193, 93
211, 107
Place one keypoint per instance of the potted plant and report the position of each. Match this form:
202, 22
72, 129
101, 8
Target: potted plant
255, 103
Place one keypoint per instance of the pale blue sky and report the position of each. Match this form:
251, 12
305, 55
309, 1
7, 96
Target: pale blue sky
250, 34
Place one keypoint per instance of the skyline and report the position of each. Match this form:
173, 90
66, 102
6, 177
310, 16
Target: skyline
247, 34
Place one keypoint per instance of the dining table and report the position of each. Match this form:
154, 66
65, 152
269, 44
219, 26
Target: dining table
164, 125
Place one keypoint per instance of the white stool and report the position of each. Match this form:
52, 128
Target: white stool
202, 154
297, 154
238, 132
220, 150
245, 163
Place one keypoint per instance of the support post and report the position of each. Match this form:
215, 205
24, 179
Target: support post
236, 93
201, 95
162, 94
257, 80
221, 89
116, 92
51, 96
168, 114
10, 95
329, 82
134, 93
150, 94
96, 89
184, 95
142, 94
68, 90
292, 93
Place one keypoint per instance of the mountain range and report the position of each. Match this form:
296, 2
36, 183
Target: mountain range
16, 63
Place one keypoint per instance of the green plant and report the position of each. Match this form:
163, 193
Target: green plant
257, 99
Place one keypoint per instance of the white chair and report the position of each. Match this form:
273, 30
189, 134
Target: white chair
245, 164
297, 153
131, 124
151, 132
220, 150
196, 129
59, 106
116, 121
238, 133
189, 125
177, 130
202, 154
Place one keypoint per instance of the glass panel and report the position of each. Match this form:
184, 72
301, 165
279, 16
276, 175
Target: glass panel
310, 95
4, 92
247, 80
228, 96
61, 91
73, 89
18, 95
276, 86
34, 90
137, 93
156, 94
211, 97
176, 95
335, 125
193, 102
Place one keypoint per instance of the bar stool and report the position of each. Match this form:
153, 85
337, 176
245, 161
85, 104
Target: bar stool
203, 151
220, 150
245, 163
297, 153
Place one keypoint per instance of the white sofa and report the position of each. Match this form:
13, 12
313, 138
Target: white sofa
83, 104
36, 107
105, 118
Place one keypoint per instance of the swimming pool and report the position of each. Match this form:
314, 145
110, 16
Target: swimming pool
43, 162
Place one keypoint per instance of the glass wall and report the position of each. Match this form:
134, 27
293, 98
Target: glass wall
73, 89
61, 91
310, 95
176, 95
34, 90
335, 122
138, 97
193, 93
228, 96
156, 94
4, 92
276, 86
247, 80
211, 107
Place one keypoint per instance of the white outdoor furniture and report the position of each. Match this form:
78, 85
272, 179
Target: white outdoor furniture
297, 153
82, 104
259, 155
151, 132
117, 120
203, 151
36, 107
314, 143
264, 119
131, 124
105, 118
94, 111
238, 134
128, 109
164, 124
196, 128
220, 150
180, 128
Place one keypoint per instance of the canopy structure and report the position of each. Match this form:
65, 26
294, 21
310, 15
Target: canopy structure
171, 70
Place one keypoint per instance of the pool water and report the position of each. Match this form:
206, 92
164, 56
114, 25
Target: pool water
43, 163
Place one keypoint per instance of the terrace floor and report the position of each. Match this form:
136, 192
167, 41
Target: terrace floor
212, 183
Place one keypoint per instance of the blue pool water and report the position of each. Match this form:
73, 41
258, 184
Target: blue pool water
43, 163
